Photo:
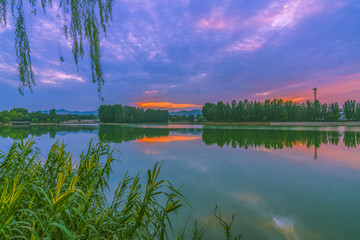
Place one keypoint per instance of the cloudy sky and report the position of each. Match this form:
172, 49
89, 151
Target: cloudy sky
194, 51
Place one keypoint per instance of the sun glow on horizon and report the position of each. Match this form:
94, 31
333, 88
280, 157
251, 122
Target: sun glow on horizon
167, 105
299, 99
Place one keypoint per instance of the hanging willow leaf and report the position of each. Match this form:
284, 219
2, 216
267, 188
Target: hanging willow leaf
82, 21
3, 12
23, 50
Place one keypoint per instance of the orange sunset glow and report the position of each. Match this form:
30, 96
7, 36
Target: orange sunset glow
165, 139
167, 105
299, 99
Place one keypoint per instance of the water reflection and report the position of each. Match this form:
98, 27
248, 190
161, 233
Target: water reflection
352, 139
170, 138
275, 189
271, 139
17, 132
274, 139
119, 134
235, 137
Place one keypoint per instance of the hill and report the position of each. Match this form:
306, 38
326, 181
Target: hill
64, 111
195, 112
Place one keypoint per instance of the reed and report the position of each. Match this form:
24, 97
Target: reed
58, 198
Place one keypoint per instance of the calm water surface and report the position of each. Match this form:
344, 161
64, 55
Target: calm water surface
281, 183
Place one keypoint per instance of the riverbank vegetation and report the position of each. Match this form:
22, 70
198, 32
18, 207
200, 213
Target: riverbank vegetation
22, 114
58, 198
127, 114
279, 110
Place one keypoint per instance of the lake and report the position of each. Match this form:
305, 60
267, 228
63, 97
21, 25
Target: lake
279, 182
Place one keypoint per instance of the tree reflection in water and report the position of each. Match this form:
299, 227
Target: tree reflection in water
270, 138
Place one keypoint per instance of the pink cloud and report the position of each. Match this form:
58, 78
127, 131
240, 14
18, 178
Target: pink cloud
151, 92
281, 14
277, 16
263, 93
216, 20
248, 45
56, 77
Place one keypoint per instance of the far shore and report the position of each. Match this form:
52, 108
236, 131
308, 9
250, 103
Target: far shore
284, 123
324, 124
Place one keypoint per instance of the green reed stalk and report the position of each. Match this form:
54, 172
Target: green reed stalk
56, 198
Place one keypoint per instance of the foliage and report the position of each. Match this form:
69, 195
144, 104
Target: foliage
21, 114
191, 118
6, 120
57, 198
270, 111
82, 21
127, 114
352, 110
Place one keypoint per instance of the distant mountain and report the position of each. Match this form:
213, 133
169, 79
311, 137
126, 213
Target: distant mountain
63, 111
187, 113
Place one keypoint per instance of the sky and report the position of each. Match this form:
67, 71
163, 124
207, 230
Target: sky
180, 54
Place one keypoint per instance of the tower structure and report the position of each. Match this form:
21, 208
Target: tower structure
315, 89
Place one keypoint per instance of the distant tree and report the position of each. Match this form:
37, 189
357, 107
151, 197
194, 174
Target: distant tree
357, 112
334, 112
285, 116
349, 108
191, 118
52, 115
220, 111
6, 120
209, 111
119, 113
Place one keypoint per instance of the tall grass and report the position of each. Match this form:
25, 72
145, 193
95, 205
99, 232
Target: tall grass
57, 198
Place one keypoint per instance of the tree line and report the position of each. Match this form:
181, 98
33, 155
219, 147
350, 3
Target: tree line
22, 114
128, 114
352, 110
279, 110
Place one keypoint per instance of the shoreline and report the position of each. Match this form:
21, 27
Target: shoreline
321, 124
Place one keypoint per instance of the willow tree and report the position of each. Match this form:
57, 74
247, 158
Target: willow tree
82, 21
